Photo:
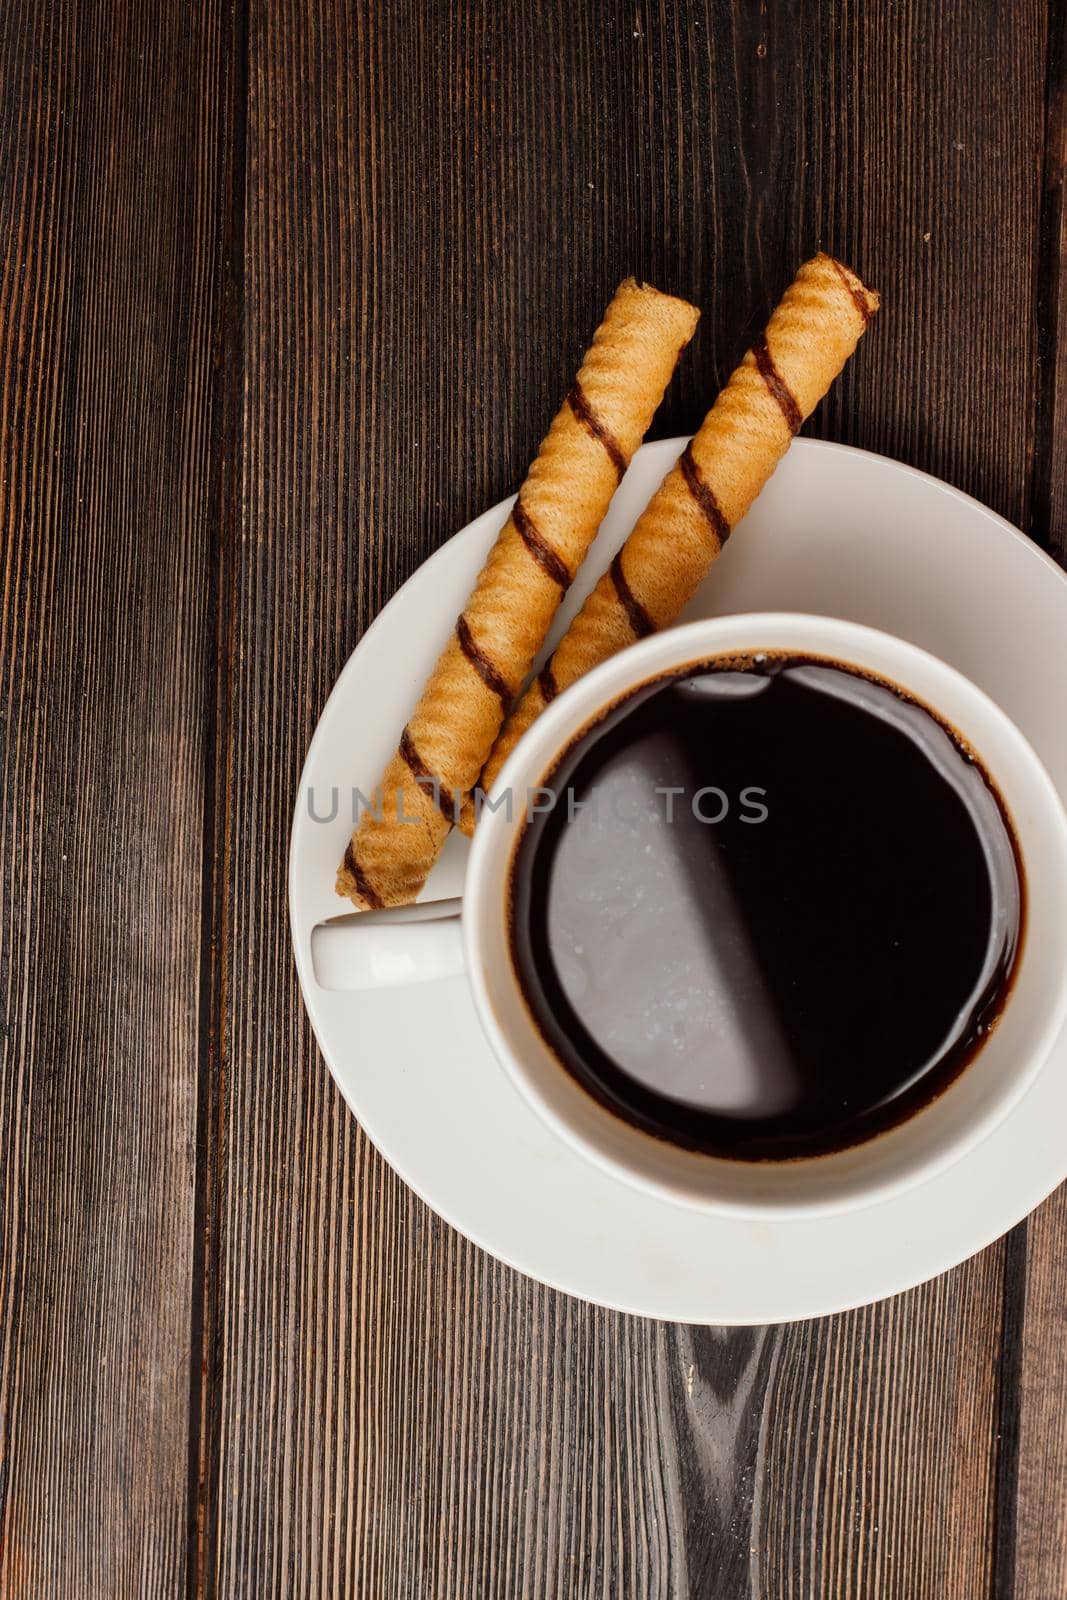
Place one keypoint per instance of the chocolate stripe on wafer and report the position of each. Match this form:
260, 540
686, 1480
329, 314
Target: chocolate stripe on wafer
772, 378
481, 662
588, 417
366, 889
856, 290
422, 774
509, 611
636, 615
810, 336
541, 551
702, 494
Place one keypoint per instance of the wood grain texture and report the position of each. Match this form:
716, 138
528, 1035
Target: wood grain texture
1049, 525
439, 201
1040, 1544
110, 135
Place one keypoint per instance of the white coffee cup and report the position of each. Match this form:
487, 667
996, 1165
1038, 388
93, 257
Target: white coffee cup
364, 951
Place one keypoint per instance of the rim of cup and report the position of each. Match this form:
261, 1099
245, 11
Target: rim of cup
862, 1173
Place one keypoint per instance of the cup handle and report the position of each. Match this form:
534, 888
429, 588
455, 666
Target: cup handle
389, 949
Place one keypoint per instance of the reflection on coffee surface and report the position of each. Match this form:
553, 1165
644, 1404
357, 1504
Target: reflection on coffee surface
775, 908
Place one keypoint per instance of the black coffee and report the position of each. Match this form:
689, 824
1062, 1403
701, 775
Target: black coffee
775, 908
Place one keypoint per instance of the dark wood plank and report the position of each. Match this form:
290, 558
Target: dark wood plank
110, 133
1049, 524
440, 199
879, 1466
1040, 1544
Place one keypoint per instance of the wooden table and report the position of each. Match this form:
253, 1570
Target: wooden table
290, 289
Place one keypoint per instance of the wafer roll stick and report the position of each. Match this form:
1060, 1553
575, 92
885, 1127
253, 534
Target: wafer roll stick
811, 334
487, 659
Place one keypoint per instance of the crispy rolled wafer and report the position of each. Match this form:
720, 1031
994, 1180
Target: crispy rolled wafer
559, 508
810, 336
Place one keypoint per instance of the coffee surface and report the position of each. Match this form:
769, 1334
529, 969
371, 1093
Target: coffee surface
774, 909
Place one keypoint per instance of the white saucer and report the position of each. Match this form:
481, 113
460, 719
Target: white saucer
838, 532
